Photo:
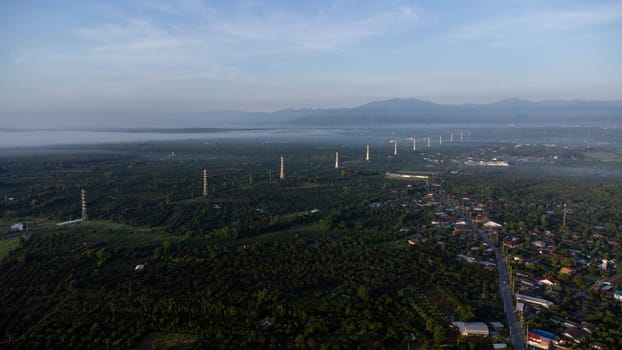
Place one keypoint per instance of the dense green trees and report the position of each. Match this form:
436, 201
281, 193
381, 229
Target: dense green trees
340, 290
339, 277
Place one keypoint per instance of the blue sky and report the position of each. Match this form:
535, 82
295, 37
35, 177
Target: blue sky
80, 57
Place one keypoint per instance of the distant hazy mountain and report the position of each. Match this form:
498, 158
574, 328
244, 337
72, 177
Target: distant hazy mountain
514, 111
378, 113
411, 111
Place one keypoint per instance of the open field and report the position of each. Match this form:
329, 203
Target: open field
7, 245
608, 157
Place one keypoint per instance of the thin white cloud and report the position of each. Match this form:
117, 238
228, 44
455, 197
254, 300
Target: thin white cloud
543, 21
251, 33
134, 35
323, 32
169, 8
137, 54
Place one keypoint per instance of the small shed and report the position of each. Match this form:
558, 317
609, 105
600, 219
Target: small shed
18, 226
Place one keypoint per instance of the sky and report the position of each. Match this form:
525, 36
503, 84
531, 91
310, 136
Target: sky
88, 59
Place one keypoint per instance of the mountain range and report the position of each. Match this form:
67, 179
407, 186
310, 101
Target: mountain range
415, 111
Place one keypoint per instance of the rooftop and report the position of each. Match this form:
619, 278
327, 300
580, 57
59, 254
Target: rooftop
471, 328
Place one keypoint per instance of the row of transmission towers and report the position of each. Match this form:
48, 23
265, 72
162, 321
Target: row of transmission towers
282, 170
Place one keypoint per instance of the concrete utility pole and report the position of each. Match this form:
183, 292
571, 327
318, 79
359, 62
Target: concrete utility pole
395, 148
84, 216
367, 154
414, 144
282, 173
205, 183
336, 160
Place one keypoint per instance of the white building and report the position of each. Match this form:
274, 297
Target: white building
17, 227
533, 300
492, 224
472, 328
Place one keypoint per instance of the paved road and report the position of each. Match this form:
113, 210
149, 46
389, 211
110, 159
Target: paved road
516, 331
504, 284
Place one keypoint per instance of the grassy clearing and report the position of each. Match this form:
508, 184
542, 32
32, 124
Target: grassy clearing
158, 340
7, 245
111, 232
293, 216
604, 156
311, 230
305, 186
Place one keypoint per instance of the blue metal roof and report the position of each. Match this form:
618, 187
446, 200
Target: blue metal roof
542, 333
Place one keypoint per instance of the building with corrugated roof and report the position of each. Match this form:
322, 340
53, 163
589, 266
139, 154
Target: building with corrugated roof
479, 329
534, 300
541, 339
